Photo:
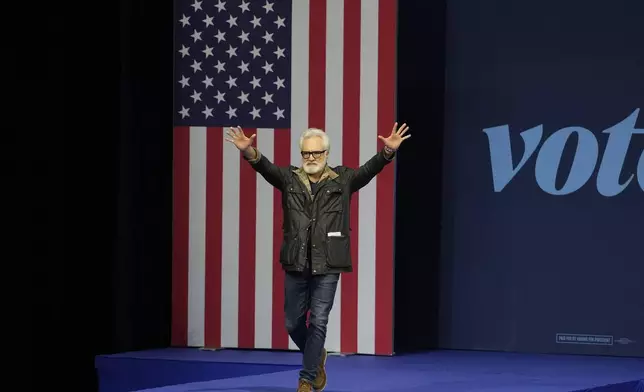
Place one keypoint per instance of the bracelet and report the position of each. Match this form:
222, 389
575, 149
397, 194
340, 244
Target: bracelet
389, 150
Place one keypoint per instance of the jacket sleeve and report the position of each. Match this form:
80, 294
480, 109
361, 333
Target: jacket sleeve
365, 173
272, 173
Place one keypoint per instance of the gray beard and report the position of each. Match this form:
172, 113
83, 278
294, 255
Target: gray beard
313, 169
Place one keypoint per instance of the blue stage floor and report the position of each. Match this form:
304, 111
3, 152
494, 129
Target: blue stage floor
183, 370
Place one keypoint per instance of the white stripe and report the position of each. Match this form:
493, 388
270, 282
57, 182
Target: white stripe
299, 84
299, 76
230, 246
333, 127
334, 77
197, 238
264, 247
367, 204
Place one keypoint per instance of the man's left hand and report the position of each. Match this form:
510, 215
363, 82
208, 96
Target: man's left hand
396, 137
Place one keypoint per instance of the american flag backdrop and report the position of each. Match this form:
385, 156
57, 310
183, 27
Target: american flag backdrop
275, 68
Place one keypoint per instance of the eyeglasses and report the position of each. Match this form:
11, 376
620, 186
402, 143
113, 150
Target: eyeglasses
316, 154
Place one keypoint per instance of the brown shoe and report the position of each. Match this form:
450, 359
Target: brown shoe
320, 380
304, 386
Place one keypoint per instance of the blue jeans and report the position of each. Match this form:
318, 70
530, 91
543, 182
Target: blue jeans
315, 293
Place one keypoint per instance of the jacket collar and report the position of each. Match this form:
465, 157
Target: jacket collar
327, 173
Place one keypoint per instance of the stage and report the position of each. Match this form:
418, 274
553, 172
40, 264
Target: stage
183, 370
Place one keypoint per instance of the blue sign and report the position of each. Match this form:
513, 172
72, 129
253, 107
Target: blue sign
543, 177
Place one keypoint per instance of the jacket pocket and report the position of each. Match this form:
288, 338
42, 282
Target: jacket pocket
296, 199
338, 251
333, 200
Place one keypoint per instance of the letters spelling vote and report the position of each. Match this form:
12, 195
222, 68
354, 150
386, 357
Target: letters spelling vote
550, 154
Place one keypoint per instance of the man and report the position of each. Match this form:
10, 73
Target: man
316, 243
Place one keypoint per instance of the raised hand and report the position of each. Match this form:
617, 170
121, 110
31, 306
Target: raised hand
239, 139
396, 137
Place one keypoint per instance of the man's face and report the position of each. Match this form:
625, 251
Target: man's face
313, 155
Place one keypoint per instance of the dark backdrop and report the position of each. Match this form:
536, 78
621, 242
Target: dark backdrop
553, 261
520, 269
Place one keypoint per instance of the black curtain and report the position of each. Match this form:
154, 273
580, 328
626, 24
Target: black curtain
97, 168
420, 103
142, 240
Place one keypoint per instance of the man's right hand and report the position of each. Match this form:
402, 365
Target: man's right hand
243, 143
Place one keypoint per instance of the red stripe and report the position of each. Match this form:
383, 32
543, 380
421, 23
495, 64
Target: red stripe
385, 185
351, 158
282, 158
180, 235
317, 63
247, 230
214, 189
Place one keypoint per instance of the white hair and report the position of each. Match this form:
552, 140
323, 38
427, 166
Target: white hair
315, 132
